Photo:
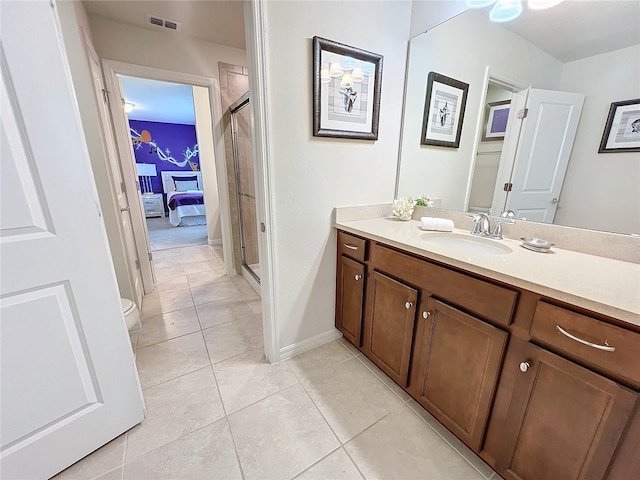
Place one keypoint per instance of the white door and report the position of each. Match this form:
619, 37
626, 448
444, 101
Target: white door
68, 377
130, 178
543, 153
116, 176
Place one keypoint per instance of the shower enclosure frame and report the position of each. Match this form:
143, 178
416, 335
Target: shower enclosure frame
247, 270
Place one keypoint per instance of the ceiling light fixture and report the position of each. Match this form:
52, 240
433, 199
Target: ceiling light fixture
507, 10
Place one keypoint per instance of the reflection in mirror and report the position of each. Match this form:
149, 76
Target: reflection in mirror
598, 191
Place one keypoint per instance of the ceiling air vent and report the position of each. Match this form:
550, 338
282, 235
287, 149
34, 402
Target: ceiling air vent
163, 22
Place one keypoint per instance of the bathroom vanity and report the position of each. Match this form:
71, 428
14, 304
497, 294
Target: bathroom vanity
531, 359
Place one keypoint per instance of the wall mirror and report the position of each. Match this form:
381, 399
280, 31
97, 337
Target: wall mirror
588, 49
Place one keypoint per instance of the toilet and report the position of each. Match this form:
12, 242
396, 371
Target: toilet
131, 314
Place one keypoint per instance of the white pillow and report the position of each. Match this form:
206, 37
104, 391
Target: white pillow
184, 185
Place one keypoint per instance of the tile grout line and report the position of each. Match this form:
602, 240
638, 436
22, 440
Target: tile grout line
449, 443
315, 463
226, 415
175, 378
354, 462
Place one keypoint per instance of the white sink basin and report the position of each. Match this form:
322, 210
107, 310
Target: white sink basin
466, 243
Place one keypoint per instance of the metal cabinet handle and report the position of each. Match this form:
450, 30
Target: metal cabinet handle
606, 347
350, 247
358, 277
408, 305
125, 209
524, 366
426, 314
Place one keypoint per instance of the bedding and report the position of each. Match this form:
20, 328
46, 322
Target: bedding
183, 186
179, 198
184, 198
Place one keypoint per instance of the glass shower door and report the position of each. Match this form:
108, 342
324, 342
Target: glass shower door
243, 162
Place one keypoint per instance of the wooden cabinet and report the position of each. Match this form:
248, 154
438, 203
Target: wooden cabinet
350, 285
391, 312
351, 297
540, 389
458, 364
564, 420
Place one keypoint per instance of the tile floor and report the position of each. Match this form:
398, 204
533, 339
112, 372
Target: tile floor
163, 235
217, 409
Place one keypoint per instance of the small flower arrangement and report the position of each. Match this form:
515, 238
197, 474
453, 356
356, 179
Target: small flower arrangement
403, 208
424, 201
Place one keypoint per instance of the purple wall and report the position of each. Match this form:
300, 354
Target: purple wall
172, 139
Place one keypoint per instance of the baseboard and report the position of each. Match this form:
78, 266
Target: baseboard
309, 344
215, 241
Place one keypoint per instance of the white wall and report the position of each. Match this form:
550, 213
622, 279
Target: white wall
461, 49
601, 190
312, 175
166, 50
426, 14
204, 132
75, 25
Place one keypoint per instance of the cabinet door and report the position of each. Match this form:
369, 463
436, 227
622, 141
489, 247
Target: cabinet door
391, 312
564, 420
350, 299
458, 369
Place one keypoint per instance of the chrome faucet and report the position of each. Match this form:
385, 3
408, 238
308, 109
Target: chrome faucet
482, 226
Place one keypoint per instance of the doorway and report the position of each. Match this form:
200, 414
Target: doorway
165, 134
245, 186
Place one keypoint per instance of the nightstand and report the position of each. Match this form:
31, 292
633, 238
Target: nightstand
153, 206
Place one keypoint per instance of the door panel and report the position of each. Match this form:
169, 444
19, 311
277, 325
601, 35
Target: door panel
389, 325
351, 299
116, 176
544, 149
69, 382
564, 421
458, 369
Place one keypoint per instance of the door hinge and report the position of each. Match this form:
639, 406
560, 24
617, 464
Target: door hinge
105, 96
507, 187
150, 256
138, 264
523, 113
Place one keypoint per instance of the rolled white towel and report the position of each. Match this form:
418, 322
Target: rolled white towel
437, 224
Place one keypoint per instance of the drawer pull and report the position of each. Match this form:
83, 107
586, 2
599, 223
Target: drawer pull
358, 277
524, 366
426, 314
408, 305
605, 347
350, 247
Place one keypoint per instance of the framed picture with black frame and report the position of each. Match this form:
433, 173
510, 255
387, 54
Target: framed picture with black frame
443, 111
347, 84
622, 130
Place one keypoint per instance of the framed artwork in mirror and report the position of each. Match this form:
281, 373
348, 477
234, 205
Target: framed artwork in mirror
443, 111
622, 130
496, 120
347, 82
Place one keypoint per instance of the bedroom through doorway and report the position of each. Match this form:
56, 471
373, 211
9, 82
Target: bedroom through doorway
166, 138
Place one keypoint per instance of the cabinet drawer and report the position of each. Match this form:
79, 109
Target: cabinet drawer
622, 362
352, 246
482, 298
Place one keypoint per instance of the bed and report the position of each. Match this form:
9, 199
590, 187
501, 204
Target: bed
184, 197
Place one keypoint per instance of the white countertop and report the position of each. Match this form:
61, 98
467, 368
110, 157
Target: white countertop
603, 285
